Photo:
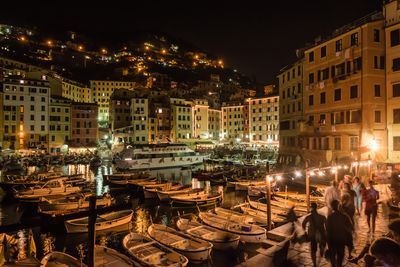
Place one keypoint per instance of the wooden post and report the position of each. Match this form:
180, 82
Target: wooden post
307, 188
91, 231
268, 198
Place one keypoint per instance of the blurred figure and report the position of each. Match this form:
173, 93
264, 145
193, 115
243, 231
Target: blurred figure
338, 227
394, 233
331, 193
316, 232
387, 251
348, 198
370, 198
358, 187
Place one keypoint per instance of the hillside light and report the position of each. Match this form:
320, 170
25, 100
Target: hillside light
49, 43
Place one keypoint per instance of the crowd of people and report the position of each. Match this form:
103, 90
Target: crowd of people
347, 203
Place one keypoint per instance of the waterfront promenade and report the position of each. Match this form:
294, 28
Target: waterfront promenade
299, 254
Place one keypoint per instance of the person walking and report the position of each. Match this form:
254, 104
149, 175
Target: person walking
331, 193
316, 232
338, 226
370, 198
348, 208
358, 187
348, 198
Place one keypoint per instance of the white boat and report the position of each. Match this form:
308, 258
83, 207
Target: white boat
194, 249
103, 222
60, 259
105, 256
54, 187
220, 240
165, 196
248, 232
159, 156
77, 202
150, 253
196, 199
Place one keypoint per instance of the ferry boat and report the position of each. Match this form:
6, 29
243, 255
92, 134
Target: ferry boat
159, 156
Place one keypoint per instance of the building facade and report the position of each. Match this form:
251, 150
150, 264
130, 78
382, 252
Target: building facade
181, 119
200, 119
120, 108
102, 91
215, 124
84, 127
233, 122
76, 92
291, 117
59, 123
140, 120
26, 117
392, 37
344, 94
263, 122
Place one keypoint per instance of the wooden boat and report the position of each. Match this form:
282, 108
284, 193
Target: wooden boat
220, 240
125, 182
74, 202
247, 232
194, 249
196, 199
150, 191
105, 256
261, 216
244, 185
55, 187
150, 253
60, 259
282, 211
165, 196
103, 222
234, 216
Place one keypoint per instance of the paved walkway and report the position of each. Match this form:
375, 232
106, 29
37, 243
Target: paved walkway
300, 253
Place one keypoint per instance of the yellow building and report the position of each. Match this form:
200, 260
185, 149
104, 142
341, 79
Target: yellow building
215, 124
290, 113
76, 92
59, 123
200, 119
392, 37
102, 91
181, 119
263, 120
233, 122
344, 94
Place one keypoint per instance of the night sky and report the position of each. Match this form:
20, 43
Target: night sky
256, 37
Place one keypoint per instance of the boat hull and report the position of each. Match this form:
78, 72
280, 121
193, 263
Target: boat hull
75, 227
157, 164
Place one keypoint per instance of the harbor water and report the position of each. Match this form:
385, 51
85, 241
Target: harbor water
19, 219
